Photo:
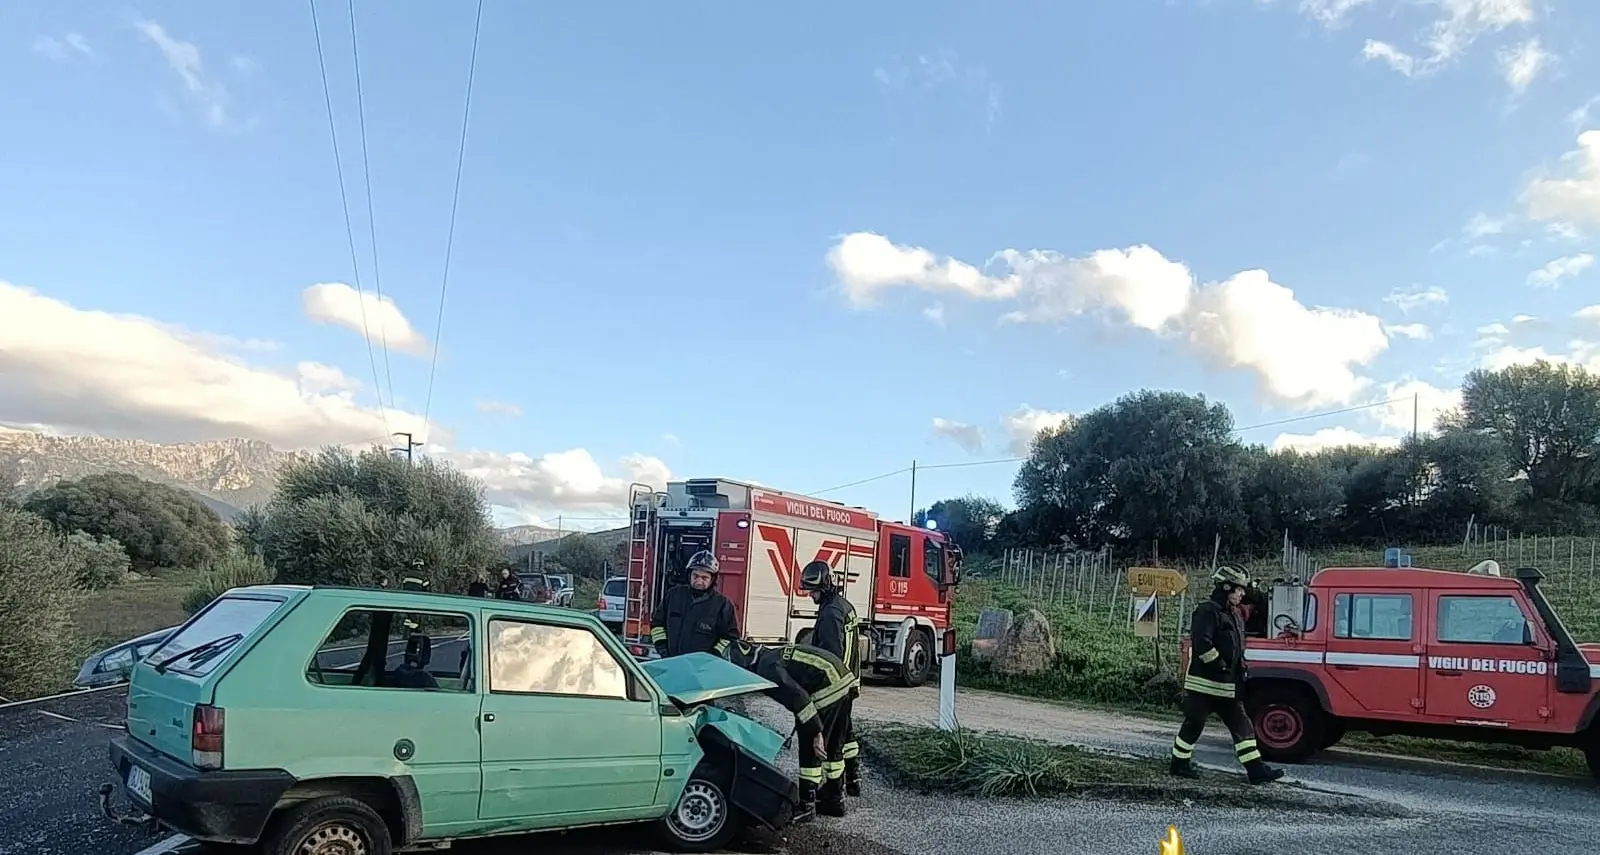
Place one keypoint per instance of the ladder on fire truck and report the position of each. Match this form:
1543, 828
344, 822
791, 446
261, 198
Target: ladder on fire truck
641, 536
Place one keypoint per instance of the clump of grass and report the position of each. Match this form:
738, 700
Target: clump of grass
990, 765
236, 568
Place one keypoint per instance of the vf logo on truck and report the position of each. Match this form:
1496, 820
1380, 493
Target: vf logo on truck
1481, 696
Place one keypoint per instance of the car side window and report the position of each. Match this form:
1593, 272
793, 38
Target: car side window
119, 660
386, 649
899, 556
545, 659
1378, 617
1482, 620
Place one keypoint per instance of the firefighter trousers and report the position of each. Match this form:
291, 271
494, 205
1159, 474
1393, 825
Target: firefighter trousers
838, 732
814, 767
1197, 708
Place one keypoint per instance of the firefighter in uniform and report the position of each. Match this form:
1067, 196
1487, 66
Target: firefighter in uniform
812, 684
1216, 678
837, 631
696, 617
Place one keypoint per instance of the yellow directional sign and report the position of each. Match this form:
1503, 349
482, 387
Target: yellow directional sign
1156, 580
1173, 845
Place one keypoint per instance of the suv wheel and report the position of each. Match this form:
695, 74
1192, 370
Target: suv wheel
1289, 725
918, 661
1591, 752
704, 819
333, 825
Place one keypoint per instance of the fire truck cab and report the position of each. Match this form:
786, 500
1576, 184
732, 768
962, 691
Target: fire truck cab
1475, 657
899, 578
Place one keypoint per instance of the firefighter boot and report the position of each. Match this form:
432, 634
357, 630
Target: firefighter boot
806, 810
1183, 768
852, 777
1261, 773
830, 799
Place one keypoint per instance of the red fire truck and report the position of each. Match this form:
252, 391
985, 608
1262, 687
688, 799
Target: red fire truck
900, 578
1474, 656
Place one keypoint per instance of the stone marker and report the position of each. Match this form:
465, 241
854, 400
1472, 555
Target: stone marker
993, 624
1028, 647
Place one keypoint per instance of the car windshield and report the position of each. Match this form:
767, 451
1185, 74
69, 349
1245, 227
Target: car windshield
223, 619
616, 587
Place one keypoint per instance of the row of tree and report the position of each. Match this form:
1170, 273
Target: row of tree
1164, 472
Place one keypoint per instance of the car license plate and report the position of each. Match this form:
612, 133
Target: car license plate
139, 783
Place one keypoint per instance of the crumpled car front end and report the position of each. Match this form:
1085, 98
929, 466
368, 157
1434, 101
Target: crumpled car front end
760, 788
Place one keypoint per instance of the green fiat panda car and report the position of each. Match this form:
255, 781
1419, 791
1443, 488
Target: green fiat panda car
320, 720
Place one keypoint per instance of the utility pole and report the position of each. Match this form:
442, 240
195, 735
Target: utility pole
410, 444
1416, 409
912, 520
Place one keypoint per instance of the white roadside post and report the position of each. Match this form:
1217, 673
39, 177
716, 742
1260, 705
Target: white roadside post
947, 680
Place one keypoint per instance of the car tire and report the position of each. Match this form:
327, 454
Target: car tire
704, 819
333, 819
916, 663
1289, 724
1591, 752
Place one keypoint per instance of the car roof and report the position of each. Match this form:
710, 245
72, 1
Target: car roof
1409, 577
403, 599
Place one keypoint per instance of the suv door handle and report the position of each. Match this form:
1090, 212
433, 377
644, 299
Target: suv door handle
1347, 667
1446, 673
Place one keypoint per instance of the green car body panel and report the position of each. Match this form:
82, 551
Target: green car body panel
473, 761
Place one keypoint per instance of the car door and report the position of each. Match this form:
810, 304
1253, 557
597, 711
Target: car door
569, 733
1374, 650
1487, 659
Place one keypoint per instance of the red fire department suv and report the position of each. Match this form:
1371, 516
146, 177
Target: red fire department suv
1473, 656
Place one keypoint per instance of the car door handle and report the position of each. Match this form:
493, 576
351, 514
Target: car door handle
488, 716
1347, 667
1446, 673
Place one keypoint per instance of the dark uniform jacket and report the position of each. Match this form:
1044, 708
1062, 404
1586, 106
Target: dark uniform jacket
1216, 650
510, 588
838, 631
809, 679
690, 621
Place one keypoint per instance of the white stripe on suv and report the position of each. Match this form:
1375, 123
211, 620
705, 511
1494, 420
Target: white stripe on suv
1376, 660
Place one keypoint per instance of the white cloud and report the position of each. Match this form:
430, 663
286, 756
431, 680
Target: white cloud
1574, 198
943, 71
499, 408
568, 482
1589, 313
1302, 355
1483, 225
1395, 58
934, 314
1326, 438
85, 371
1579, 117
65, 48
184, 60
1330, 13
339, 304
1419, 332
1409, 299
1521, 64
245, 66
1566, 267
969, 437
1024, 423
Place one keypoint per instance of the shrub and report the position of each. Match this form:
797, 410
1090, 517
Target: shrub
103, 562
38, 589
234, 569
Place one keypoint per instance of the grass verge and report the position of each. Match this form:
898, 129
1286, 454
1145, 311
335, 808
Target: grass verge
997, 766
133, 608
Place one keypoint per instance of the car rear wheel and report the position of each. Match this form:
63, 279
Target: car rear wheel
918, 661
1289, 725
704, 819
333, 825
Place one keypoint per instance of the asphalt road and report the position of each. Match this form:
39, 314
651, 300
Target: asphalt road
47, 801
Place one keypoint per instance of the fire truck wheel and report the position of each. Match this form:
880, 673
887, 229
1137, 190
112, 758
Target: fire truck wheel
1289, 724
918, 662
1591, 752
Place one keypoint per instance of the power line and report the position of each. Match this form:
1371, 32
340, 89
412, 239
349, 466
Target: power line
372, 225
455, 198
862, 481
349, 231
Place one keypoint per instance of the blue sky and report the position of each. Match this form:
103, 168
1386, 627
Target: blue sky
772, 246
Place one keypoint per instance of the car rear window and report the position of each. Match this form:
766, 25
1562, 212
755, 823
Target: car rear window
227, 616
616, 587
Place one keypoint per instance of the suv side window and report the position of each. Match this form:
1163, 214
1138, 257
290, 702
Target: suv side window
380, 648
544, 659
899, 556
1310, 622
1482, 620
1379, 617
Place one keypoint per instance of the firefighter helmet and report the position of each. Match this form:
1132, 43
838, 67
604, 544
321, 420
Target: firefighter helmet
816, 576
703, 561
1230, 575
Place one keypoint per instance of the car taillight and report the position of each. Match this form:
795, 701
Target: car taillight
600, 604
206, 737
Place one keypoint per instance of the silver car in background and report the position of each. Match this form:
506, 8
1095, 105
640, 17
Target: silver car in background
613, 602
113, 664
